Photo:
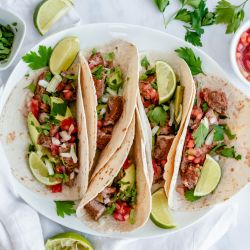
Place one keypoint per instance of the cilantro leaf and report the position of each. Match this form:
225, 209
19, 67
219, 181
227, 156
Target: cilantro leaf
218, 133
157, 116
200, 135
145, 63
31, 87
59, 109
230, 153
193, 3
228, 132
38, 60
189, 195
110, 209
204, 106
109, 56
193, 62
208, 19
97, 72
65, 207
46, 99
161, 4
229, 14
183, 15
193, 37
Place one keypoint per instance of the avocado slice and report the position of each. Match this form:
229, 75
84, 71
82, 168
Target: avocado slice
33, 124
128, 177
57, 100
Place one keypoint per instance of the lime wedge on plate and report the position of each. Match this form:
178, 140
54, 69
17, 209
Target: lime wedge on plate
166, 81
48, 12
40, 171
160, 213
64, 54
68, 241
209, 178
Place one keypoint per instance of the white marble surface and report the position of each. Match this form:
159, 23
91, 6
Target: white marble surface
142, 12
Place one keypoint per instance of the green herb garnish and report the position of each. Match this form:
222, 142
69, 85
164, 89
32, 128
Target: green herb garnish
158, 116
145, 63
6, 41
200, 135
31, 87
109, 57
65, 207
59, 109
189, 195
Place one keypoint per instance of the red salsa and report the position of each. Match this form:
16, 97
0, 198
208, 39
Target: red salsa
243, 54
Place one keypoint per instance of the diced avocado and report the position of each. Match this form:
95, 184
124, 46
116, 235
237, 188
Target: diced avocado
129, 177
54, 102
178, 99
114, 79
33, 124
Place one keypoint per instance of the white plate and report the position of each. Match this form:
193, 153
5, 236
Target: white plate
91, 36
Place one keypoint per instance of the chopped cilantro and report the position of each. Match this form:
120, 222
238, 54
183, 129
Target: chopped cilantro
154, 85
200, 135
230, 153
48, 76
97, 72
143, 77
59, 109
65, 207
218, 133
150, 71
204, 106
158, 116
145, 63
46, 99
94, 51
110, 209
31, 148
31, 87
189, 195
228, 132
109, 57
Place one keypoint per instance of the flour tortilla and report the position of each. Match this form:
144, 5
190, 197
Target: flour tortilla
134, 144
15, 140
184, 76
126, 56
235, 174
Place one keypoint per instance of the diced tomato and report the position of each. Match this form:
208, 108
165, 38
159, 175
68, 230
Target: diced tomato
56, 188
154, 166
146, 103
122, 211
34, 107
60, 86
99, 124
72, 139
126, 164
54, 149
118, 217
67, 94
65, 124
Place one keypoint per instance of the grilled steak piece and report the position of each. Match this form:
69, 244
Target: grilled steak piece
166, 130
191, 175
95, 60
162, 147
99, 86
102, 139
115, 108
44, 141
95, 209
216, 100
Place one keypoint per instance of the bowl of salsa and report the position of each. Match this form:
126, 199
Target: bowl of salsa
240, 52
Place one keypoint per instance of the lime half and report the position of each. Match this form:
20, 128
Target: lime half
40, 171
166, 81
160, 213
209, 178
68, 241
64, 54
48, 12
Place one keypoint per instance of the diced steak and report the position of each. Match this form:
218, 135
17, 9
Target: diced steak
191, 175
95, 60
216, 100
115, 108
99, 87
162, 146
102, 139
166, 130
95, 209
148, 93
44, 141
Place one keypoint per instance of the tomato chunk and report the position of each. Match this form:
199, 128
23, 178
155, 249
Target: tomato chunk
126, 164
34, 107
56, 188
66, 123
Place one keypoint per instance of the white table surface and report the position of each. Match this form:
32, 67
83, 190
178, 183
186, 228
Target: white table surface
142, 12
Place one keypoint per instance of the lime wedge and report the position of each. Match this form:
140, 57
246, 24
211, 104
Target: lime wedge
64, 54
48, 12
209, 178
166, 81
40, 171
68, 241
160, 213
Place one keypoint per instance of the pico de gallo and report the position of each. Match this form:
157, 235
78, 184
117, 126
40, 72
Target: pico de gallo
53, 127
243, 54
164, 118
119, 198
108, 80
207, 133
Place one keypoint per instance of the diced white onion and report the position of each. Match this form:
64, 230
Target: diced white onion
111, 91
49, 166
52, 85
105, 98
71, 176
216, 157
43, 83
55, 141
65, 136
71, 128
155, 130
63, 145
210, 138
73, 153
66, 155
103, 111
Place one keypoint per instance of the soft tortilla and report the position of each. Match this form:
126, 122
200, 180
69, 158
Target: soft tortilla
183, 74
126, 56
235, 174
106, 175
15, 140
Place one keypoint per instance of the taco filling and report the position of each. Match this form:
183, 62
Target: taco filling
164, 117
207, 134
108, 80
53, 128
119, 198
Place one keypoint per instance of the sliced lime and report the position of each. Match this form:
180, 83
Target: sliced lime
64, 54
160, 213
48, 12
40, 171
166, 81
209, 178
69, 241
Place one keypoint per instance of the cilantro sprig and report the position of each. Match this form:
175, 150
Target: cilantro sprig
189, 195
39, 59
65, 207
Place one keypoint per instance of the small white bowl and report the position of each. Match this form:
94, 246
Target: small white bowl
245, 26
7, 17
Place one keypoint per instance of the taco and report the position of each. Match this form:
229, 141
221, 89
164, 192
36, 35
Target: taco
118, 197
163, 118
211, 162
44, 134
109, 83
